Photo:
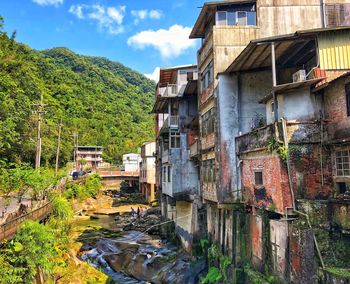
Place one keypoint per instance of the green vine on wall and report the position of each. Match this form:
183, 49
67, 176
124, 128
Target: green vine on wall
218, 264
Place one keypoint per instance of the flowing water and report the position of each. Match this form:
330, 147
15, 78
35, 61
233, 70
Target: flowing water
132, 256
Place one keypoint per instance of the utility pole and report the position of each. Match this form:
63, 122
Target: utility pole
58, 145
75, 137
39, 111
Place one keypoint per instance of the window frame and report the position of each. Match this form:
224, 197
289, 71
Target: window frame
342, 163
260, 172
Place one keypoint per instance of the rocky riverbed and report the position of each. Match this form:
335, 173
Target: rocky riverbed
130, 250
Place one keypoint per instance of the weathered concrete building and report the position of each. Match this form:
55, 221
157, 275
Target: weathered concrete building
292, 160
148, 171
226, 28
88, 156
177, 172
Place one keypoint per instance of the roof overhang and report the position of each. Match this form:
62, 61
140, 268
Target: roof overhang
208, 12
191, 88
169, 75
257, 55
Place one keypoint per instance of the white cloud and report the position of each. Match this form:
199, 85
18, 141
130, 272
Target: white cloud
170, 43
108, 18
155, 75
48, 2
77, 10
140, 15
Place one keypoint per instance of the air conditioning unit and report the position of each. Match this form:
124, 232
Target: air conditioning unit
299, 76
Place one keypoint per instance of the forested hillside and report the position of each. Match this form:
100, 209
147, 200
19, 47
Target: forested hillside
106, 102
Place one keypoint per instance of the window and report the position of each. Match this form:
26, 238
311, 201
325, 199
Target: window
241, 19
208, 171
347, 96
342, 163
189, 76
164, 178
272, 107
208, 122
169, 173
207, 76
221, 18
175, 140
337, 15
342, 187
258, 175
242, 15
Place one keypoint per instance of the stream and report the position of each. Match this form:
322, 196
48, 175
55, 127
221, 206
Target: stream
131, 256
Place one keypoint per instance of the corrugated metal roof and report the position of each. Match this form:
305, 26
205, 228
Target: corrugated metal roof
169, 75
257, 54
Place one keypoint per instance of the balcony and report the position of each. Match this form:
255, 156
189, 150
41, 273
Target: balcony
255, 140
205, 50
172, 122
170, 91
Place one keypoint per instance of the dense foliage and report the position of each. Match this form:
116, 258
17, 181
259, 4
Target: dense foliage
105, 102
89, 187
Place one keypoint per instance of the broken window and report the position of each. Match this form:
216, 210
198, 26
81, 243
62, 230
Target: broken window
342, 163
337, 15
208, 122
208, 169
347, 96
207, 76
258, 177
342, 187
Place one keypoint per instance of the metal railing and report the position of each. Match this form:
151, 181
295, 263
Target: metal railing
9, 229
174, 121
170, 90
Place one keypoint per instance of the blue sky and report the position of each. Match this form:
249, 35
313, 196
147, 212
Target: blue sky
142, 34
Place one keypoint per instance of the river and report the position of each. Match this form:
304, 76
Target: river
130, 256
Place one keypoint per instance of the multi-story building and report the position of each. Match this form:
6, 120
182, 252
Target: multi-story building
148, 171
292, 151
131, 162
88, 156
226, 28
177, 169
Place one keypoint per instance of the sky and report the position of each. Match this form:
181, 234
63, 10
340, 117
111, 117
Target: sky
141, 34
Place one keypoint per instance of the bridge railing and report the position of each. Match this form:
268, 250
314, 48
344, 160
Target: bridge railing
9, 229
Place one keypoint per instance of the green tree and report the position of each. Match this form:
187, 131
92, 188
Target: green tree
30, 254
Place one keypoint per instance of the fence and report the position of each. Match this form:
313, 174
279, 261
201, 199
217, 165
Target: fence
9, 229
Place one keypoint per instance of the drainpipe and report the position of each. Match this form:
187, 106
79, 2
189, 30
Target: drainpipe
274, 81
323, 14
284, 128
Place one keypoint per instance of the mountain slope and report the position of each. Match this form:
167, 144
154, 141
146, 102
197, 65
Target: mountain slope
104, 101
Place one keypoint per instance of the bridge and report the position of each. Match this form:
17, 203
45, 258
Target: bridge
112, 177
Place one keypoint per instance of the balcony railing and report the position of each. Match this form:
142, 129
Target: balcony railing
171, 90
255, 140
172, 121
